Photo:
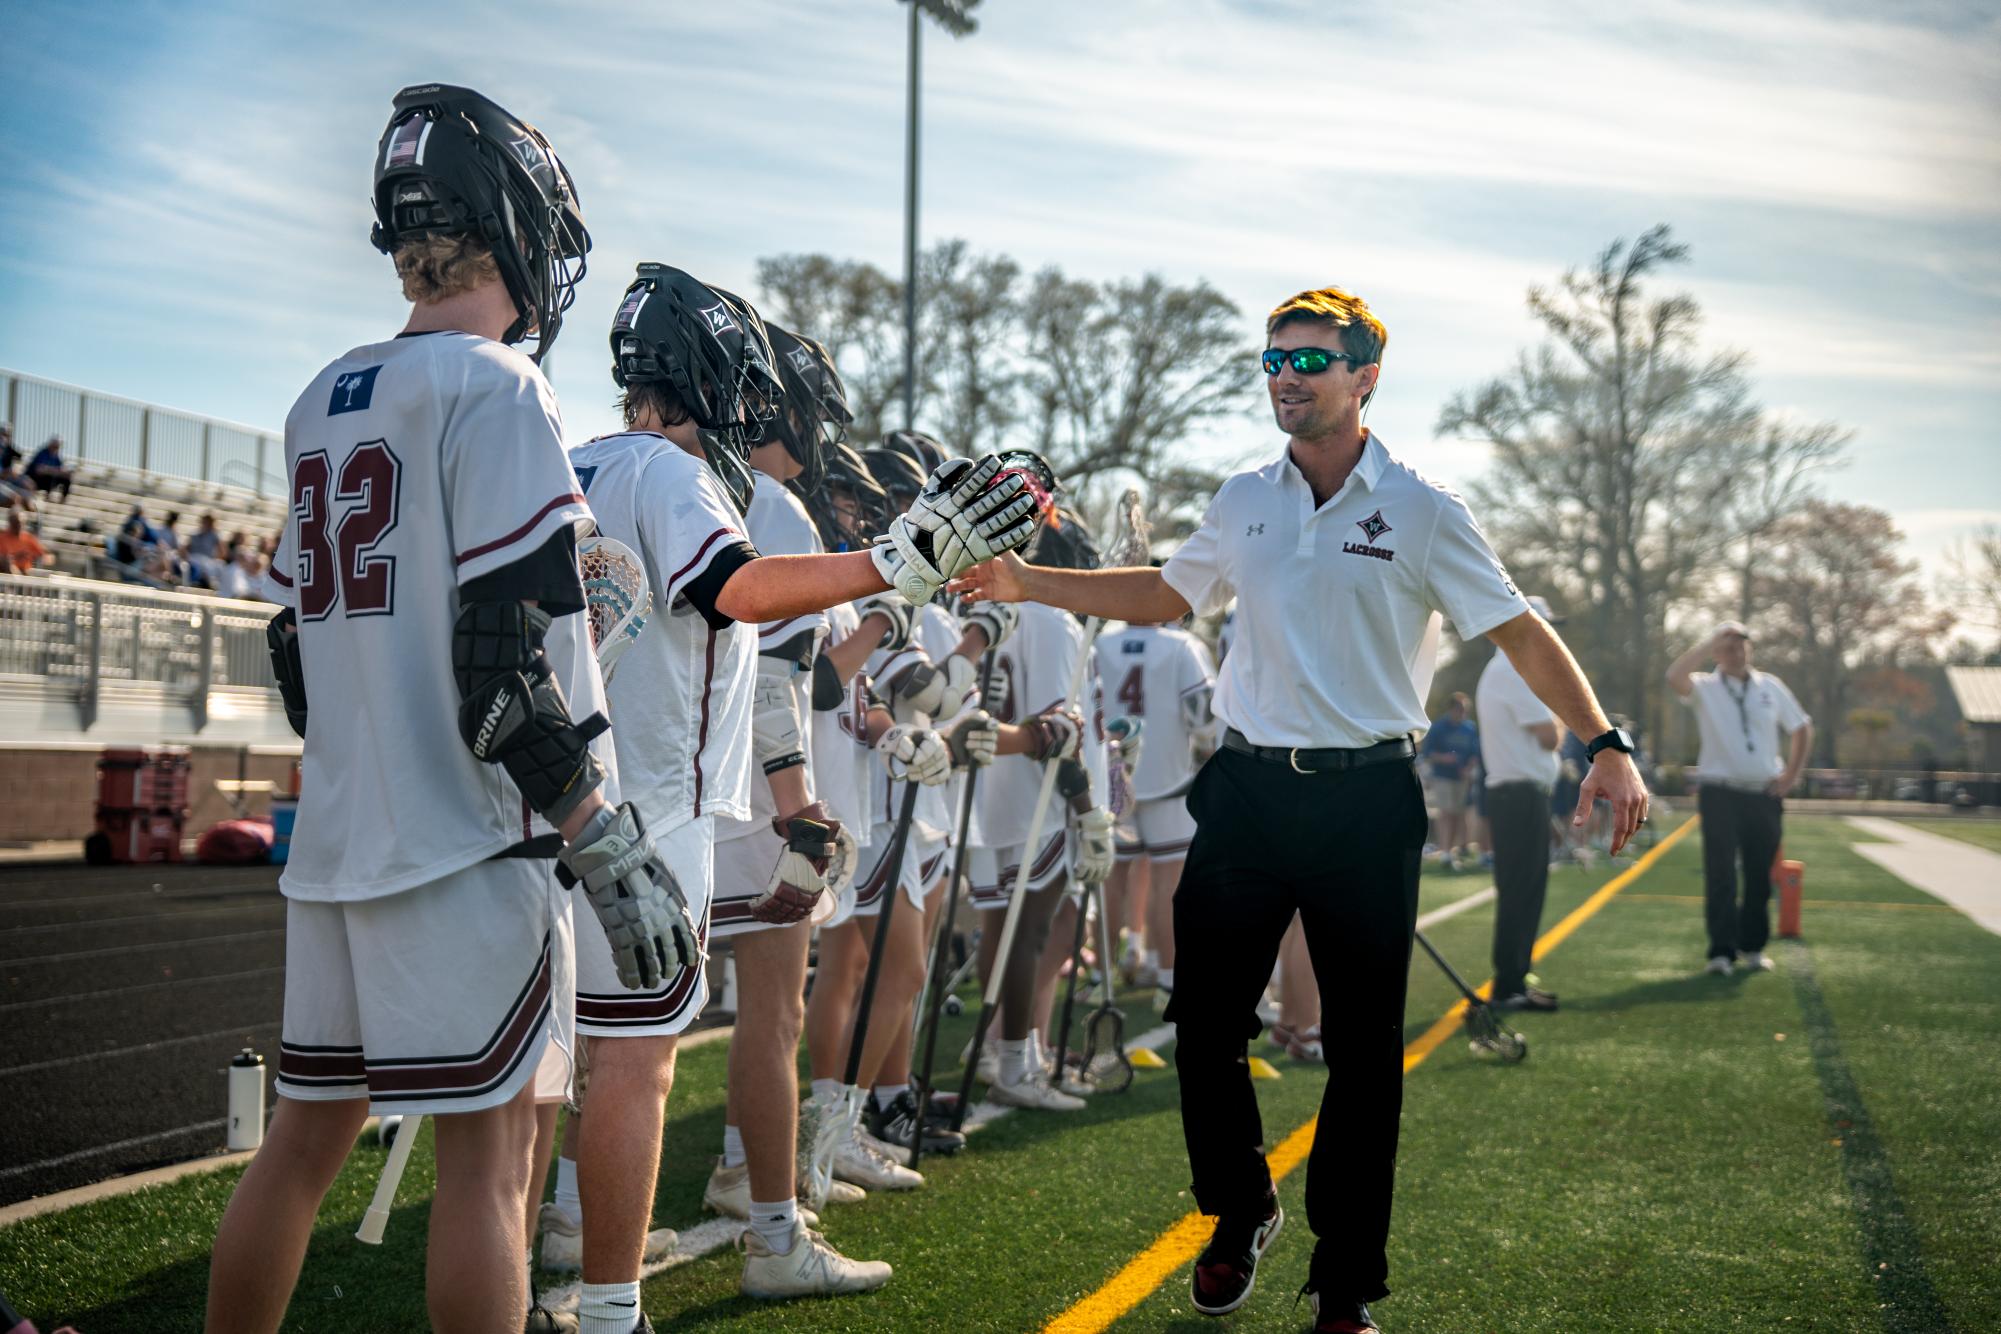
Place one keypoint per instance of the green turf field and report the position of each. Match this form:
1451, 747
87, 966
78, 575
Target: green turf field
1983, 833
1815, 1149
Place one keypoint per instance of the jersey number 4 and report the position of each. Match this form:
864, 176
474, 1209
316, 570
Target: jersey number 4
1132, 693
337, 556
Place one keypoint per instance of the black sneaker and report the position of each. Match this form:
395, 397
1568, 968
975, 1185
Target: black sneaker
1332, 1317
1228, 1266
892, 1124
1528, 998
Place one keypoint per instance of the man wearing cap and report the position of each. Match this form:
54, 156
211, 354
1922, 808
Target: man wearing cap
1518, 736
1339, 555
1740, 714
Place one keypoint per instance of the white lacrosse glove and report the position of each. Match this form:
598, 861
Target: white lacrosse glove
995, 620
811, 843
962, 687
960, 518
972, 738
899, 613
915, 753
635, 896
919, 690
844, 861
1091, 852
1054, 735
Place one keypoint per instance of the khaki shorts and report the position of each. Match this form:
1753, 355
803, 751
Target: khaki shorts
604, 1007
444, 998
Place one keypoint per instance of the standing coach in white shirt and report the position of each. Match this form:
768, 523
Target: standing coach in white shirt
1338, 555
1518, 736
1739, 714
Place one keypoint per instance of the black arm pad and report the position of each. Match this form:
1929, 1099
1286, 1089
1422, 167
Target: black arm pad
829, 691
1072, 780
513, 712
798, 650
281, 634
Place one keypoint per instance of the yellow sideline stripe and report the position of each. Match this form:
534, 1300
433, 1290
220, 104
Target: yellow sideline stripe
1184, 1241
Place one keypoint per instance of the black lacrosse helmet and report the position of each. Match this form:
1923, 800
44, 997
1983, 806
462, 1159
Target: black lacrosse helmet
849, 507
927, 450
1065, 541
673, 329
815, 415
897, 473
454, 163
763, 391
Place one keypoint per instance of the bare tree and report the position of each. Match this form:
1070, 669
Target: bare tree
857, 311
1971, 585
972, 342
1775, 478
1616, 445
1832, 592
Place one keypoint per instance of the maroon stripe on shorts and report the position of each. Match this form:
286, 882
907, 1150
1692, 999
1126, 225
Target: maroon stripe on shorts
476, 1071
635, 1008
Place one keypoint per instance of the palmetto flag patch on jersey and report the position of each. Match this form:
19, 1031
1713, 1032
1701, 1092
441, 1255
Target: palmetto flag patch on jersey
352, 391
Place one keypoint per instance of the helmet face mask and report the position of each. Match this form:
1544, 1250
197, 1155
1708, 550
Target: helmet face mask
710, 350
452, 162
813, 419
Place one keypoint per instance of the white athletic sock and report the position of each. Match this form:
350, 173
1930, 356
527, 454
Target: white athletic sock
885, 1094
1166, 976
1014, 1054
774, 1223
826, 1090
567, 1199
608, 1308
732, 1147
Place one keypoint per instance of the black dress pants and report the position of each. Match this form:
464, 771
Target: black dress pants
1341, 850
1518, 815
1738, 825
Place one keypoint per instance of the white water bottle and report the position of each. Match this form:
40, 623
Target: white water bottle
246, 1101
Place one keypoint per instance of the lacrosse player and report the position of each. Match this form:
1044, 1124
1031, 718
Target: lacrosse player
428, 653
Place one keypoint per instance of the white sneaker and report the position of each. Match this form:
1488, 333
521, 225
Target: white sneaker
728, 1193
844, 1192
811, 1268
860, 1158
1034, 1093
1718, 965
563, 1241
1756, 962
988, 1069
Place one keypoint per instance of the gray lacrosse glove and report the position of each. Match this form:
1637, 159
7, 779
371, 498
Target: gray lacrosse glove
972, 738
1091, 853
916, 753
995, 620
635, 896
961, 518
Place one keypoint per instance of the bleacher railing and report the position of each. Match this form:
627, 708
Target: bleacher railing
76, 639
104, 428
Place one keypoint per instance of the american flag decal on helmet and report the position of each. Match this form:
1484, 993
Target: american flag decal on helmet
406, 142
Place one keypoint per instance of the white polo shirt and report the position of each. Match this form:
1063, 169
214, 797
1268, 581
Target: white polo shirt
1507, 709
1333, 604
1739, 723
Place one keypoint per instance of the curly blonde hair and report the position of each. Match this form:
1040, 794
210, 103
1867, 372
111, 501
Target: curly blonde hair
435, 267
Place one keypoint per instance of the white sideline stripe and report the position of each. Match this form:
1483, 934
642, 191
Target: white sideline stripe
132, 1143
1965, 876
143, 1046
1451, 910
717, 1233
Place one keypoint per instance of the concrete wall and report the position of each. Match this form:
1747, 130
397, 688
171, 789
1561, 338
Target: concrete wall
51, 792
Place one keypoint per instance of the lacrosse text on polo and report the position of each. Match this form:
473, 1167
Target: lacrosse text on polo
1333, 601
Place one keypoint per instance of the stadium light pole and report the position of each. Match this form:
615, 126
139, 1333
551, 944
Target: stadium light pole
955, 16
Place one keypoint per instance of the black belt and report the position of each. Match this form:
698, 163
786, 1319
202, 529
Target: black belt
1327, 760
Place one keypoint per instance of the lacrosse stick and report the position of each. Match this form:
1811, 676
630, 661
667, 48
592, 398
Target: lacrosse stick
938, 983
1070, 992
377, 1217
1486, 1034
617, 599
1105, 1062
1129, 548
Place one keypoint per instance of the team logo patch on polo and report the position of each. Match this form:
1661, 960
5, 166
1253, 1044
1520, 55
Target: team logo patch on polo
352, 391
1373, 527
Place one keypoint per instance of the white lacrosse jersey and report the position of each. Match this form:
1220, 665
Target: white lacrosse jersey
841, 760
1035, 665
938, 633
413, 466
680, 700
779, 526
1148, 671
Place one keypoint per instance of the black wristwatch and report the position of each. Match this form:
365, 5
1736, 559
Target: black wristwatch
1618, 739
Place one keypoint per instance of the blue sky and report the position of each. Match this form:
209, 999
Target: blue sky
185, 211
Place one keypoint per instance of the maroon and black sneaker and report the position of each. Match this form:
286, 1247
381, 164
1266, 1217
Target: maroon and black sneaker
1338, 1317
1228, 1267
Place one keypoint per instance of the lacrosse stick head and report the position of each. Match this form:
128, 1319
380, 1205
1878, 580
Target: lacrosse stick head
1131, 541
1106, 1065
617, 600
1488, 1036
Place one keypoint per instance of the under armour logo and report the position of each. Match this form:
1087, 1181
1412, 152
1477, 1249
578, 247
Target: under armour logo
1253, 529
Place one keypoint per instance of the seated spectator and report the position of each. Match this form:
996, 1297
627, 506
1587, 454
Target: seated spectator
10, 453
15, 488
47, 469
135, 539
21, 552
206, 541
241, 577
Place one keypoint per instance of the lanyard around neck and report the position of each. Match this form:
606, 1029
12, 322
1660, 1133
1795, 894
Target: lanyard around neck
1739, 698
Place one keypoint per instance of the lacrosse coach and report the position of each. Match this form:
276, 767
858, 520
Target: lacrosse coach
1338, 555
